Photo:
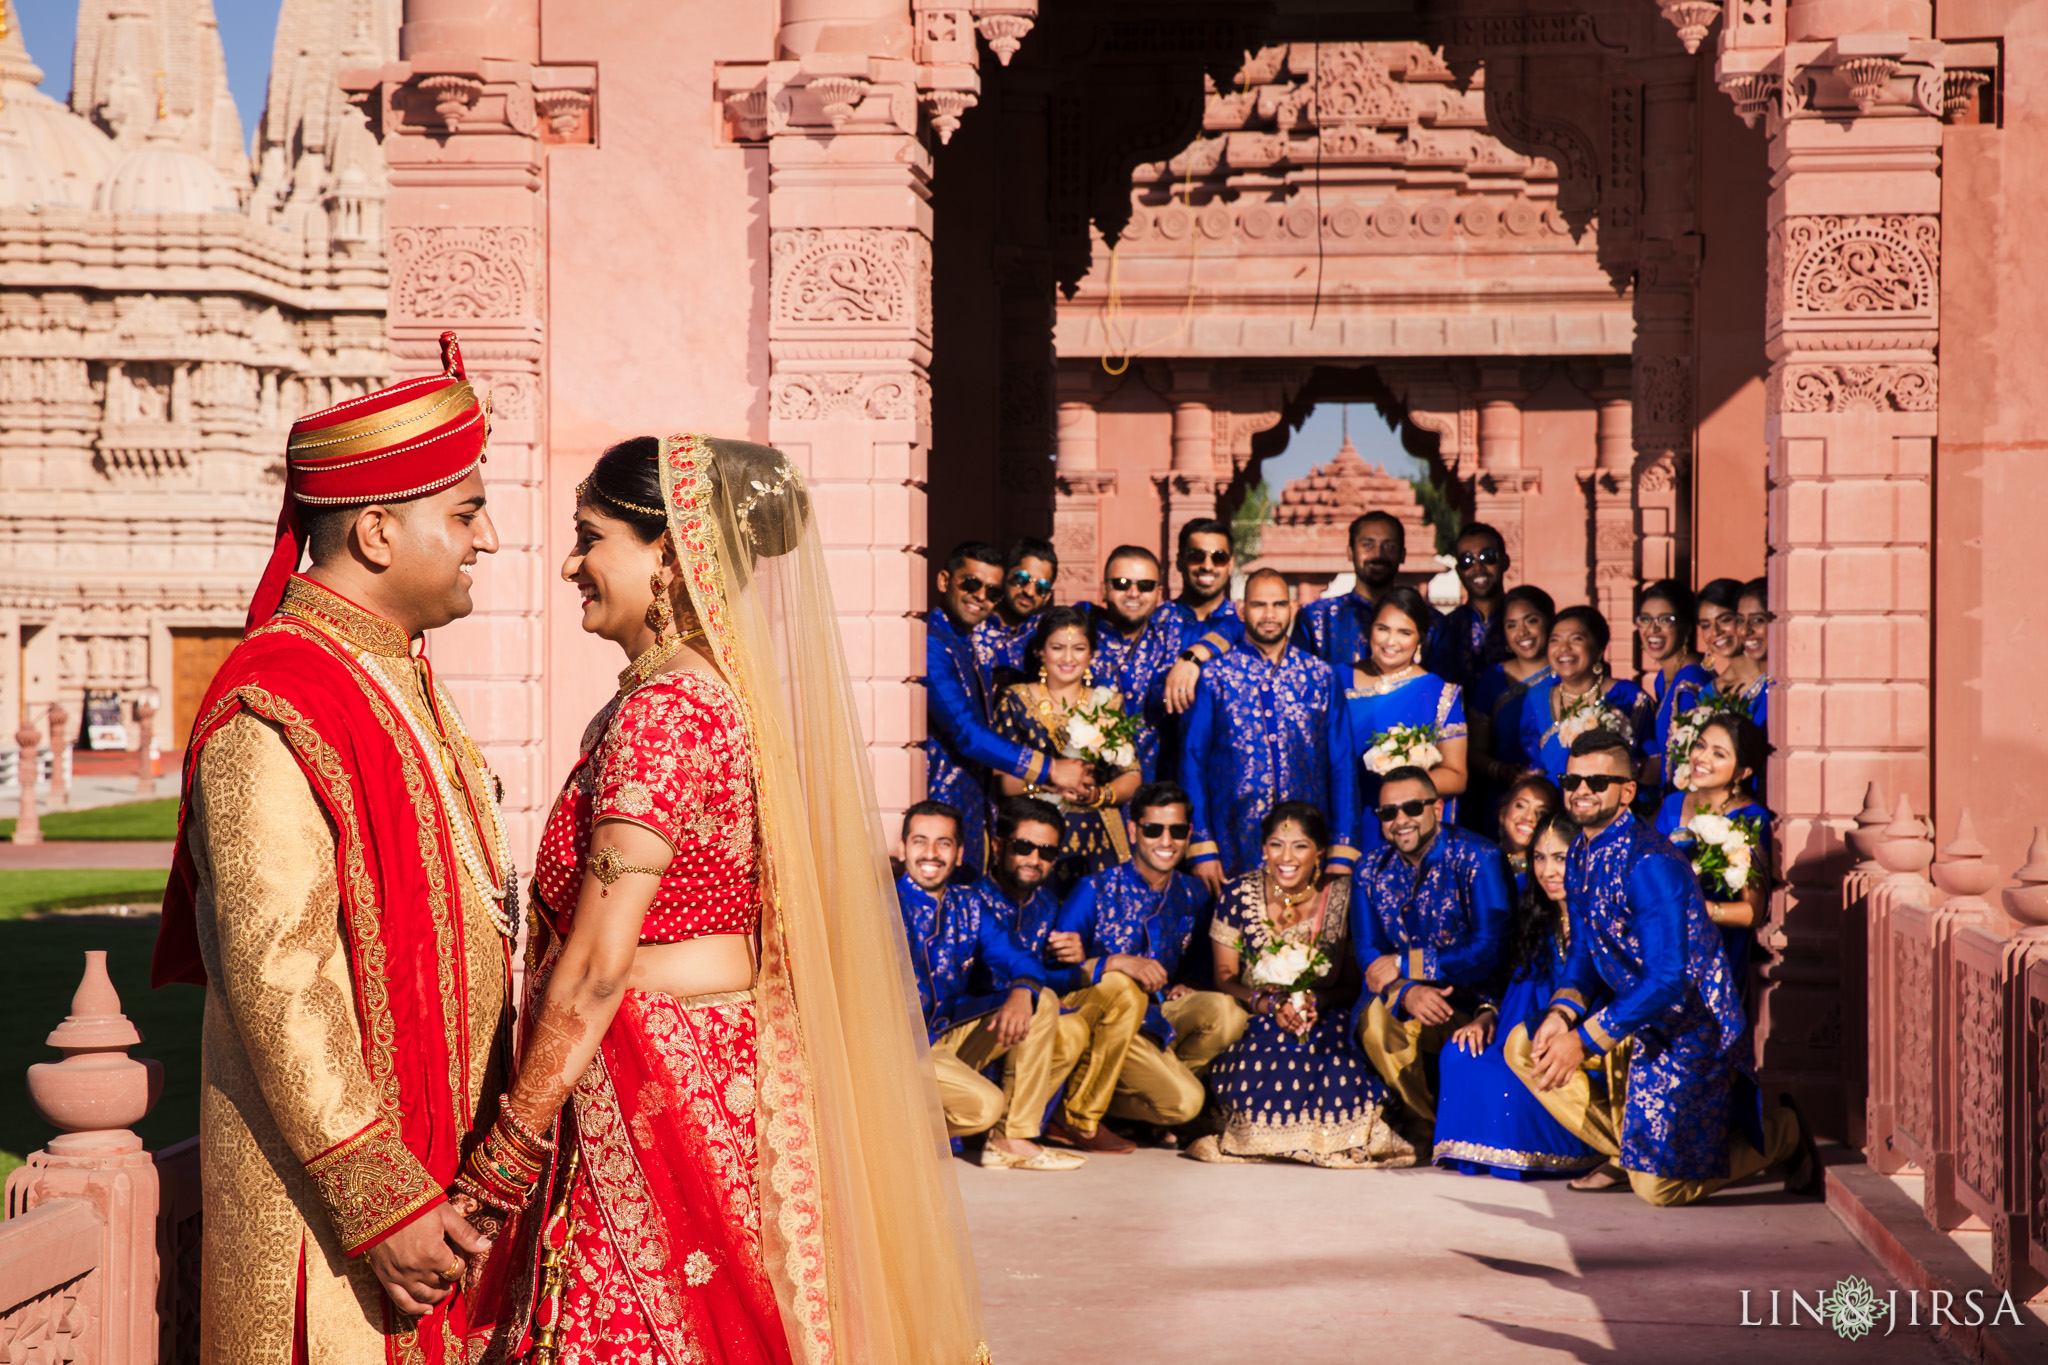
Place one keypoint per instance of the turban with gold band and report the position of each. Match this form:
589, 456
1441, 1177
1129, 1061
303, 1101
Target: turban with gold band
393, 445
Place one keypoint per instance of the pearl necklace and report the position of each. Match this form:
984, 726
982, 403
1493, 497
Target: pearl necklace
468, 844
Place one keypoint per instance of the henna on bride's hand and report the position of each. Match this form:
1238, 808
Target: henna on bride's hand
542, 1088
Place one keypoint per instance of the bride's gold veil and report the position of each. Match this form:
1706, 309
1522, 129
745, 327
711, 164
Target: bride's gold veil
861, 1223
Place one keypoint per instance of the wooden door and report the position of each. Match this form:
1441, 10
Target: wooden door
196, 655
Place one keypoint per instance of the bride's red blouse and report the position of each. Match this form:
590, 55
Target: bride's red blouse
673, 756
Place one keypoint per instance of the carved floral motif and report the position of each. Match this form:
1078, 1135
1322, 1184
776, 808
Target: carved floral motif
1980, 1080
1914, 1058
876, 397
851, 276
453, 274
1866, 263
49, 1329
1838, 387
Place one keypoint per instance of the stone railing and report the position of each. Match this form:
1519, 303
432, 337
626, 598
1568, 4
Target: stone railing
92, 1216
1956, 998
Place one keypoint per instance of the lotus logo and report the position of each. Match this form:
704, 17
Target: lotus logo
1854, 1308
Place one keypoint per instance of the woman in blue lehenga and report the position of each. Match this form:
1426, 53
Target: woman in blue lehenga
1578, 692
1740, 677
1393, 688
1726, 760
1665, 623
1493, 706
1295, 1086
1488, 1121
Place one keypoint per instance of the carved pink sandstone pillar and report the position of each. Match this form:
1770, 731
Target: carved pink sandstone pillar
1188, 490
28, 828
1611, 551
1501, 491
1081, 486
93, 1096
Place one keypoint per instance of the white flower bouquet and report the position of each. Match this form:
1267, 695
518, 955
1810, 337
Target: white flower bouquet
1403, 746
1100, 734
1724, 851
1685, 732
1292, 968
1586, 713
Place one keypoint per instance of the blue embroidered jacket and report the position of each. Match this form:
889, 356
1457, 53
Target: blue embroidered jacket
1261, 732
960, 749
1446, 918
1338, 630
1030, 923
950, 938
999, 649
1222, 632
1465, 644
1117, 911
1137, 667
1645, 958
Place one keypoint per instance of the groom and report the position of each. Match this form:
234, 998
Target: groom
342, 888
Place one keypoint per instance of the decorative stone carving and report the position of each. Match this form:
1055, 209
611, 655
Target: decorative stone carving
1861, 264
1692, 19
1753, 93
1959, 91
875, 397
565, 110
945, 108
52, 1328
1867, 77
1840, 387
838, 96
1663, 396
457, 274
453, 97
832, 278
1004, 34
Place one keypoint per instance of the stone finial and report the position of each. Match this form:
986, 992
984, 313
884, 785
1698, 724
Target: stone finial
1692, 19
1870, 823
2028, 902
98, 1087
1963, 868
1903, 848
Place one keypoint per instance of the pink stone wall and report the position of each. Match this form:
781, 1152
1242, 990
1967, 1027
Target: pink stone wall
1558, 424
1990, 710
1135, 432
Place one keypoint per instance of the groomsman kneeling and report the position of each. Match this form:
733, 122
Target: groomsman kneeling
1127, 930
953, 931
1647, 985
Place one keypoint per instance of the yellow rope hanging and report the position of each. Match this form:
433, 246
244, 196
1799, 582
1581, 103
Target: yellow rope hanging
1112, 309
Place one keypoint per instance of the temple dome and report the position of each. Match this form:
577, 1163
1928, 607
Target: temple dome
25, 181
75, 154
162, 177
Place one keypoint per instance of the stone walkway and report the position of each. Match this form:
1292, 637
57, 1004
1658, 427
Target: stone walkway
1154, 1260
86, 853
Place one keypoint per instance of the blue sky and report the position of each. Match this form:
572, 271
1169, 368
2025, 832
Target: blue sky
1323, 433
247, 30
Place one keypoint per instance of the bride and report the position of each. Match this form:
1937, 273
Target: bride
723, 1143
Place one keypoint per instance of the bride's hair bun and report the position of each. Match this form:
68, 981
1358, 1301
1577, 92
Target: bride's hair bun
766, 493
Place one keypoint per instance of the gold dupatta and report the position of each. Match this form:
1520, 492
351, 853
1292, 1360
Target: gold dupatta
862, 1230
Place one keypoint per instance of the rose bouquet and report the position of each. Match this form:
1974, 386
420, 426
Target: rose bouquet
1101, 735
1403, 746
1724, 851
1587, 712
1292, 968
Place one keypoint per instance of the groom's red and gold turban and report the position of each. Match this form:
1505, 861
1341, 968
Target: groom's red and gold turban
393, 445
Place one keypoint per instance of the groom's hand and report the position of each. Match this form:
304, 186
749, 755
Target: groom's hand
417, 1266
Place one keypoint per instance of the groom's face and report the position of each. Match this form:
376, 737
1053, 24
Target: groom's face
425, 549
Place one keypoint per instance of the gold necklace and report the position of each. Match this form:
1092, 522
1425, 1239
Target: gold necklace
1287, 902
654, 658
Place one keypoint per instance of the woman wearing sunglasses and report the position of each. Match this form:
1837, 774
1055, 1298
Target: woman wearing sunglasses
1062, 654
1294, 1086
1673, 678
1727, 759
1394, 698
1494, 705
1580, 695
1488, 1122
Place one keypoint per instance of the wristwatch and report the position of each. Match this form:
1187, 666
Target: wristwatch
1190, 655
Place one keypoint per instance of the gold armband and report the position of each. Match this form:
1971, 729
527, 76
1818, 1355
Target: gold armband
607, 866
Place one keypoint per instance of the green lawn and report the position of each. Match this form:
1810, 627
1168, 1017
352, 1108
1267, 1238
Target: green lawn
130, 820
44, 958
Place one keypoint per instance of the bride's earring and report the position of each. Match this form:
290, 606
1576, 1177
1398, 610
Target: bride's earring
660, 618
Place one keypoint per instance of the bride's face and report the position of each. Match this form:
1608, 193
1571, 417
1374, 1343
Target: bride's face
610, 567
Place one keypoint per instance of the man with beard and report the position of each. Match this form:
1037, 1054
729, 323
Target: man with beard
1647, 986
1207, 614
961, 750
343, 887
1339, 629
1102, 1015
1430, 912
955, 937
1148, 654
1472, 637
1029, 572
1268, 725
1130, 927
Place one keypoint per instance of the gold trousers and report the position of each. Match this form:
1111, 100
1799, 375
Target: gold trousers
1597, 1123
1162, 1085
1405, 1051
1103, 1027
1032, 1071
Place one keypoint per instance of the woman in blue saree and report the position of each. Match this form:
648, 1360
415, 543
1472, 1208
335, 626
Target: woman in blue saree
1726, 760
1488, 1122
1493, 705
1740, 678
1665, 623
1392, 688
1294, 1086
1579, 695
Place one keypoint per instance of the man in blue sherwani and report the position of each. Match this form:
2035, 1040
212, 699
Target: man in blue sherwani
1430, 916
1135, 923
1338, 630
1268, 725
961, 750
1029, 572
955, 935
1472, 637
1150, 651
1647, 986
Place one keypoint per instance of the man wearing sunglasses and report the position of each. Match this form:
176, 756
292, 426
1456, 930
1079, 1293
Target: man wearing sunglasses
1142, 651
1338, 630
1647, 985
961, 750
1135, 923
956, 936
1029, 572
1207, 614
1268, 725
1472, 637
1430, 926
1099, 1019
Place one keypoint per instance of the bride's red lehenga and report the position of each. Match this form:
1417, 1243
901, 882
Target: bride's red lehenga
659, 1228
